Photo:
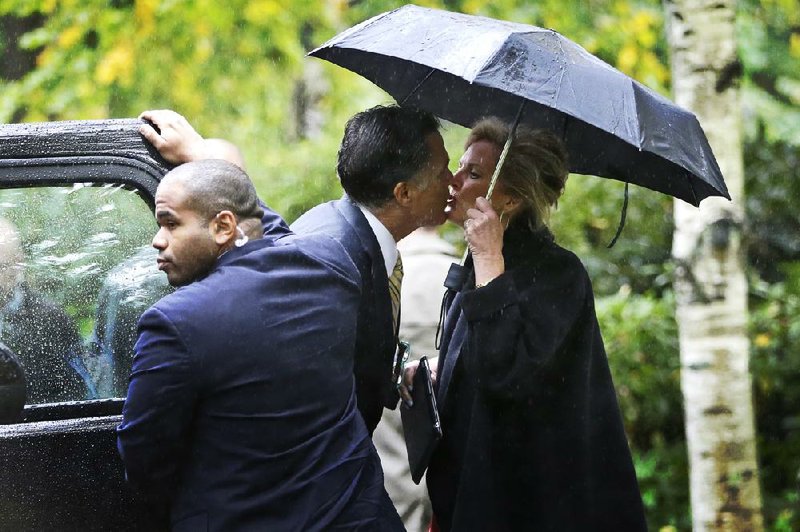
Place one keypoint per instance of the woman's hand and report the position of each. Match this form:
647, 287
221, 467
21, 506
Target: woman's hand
484, 235
408, 378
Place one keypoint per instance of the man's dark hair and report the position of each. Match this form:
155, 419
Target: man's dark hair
381, 147
214, 185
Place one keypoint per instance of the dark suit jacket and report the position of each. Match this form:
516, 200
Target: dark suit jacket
241, 406
376, 340
533, 436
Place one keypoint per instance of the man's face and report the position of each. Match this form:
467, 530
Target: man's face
185, 244
434, 180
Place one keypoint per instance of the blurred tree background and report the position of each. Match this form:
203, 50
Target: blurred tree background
237, 70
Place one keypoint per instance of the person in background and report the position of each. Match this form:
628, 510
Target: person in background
426, 259
44, 338
240, 413
532, 433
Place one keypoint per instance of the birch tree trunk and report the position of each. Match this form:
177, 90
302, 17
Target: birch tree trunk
711, 287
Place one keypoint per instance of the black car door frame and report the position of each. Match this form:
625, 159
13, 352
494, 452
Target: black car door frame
59, 467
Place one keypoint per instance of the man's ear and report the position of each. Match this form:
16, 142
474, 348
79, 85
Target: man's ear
223, 228
403, 193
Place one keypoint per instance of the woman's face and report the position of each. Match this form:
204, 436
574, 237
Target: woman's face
471, 180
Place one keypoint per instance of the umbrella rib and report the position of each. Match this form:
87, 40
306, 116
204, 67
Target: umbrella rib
415, 89
691, 189
560, 74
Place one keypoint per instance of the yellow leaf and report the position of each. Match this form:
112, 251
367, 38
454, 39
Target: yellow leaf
627, 58
145, 15
262, 11
642, 25
794, 44
45, 57
48, 6
69, 37
116, 65
762, 340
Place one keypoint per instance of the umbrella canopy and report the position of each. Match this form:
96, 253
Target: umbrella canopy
463, 67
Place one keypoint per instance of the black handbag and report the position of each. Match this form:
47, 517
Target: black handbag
421, 426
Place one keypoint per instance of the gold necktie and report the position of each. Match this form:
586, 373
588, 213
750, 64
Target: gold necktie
395, 280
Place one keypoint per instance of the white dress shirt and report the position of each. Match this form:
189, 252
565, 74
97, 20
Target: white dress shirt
385, 240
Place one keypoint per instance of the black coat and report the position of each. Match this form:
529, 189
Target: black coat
376, 339
533, 436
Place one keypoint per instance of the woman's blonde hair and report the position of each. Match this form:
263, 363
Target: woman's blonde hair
535, 170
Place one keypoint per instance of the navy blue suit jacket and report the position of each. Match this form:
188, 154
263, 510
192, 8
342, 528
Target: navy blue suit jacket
376, 339
241, 407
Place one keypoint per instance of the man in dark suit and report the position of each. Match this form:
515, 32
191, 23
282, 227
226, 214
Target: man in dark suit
241, 411
393, 167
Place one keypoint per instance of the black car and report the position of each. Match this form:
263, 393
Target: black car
76, 271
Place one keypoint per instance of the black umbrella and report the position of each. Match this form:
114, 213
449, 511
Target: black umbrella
463, 67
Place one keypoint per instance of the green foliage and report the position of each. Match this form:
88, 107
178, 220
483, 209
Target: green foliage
769, 46
587, 219
237, 70
773, 249
641, 340
775, 329
772, 227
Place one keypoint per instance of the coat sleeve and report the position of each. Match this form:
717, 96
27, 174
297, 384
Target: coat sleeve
158, 409
273, 224
516, 335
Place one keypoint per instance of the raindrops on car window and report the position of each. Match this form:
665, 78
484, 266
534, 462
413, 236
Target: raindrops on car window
76, 270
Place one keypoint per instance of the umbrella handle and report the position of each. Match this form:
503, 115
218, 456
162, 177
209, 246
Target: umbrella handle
503, 154
499, 166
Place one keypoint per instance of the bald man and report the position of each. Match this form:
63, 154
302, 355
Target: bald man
241, 411
44, 338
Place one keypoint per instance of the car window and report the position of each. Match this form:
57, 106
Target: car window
76, 272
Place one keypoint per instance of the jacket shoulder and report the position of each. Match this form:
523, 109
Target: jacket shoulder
329, 252
323, 218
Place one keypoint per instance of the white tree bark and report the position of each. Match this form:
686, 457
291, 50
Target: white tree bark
711, 286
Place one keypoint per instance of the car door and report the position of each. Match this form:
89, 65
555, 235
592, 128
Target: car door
76, 271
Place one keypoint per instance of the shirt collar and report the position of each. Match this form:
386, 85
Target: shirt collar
385, 239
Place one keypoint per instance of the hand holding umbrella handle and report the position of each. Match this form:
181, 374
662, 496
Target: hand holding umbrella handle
483, 232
